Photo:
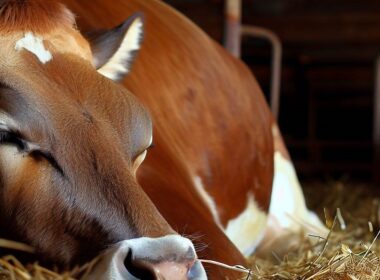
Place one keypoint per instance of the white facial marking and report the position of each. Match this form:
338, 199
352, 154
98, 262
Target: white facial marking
120, 61
247, 229
288, 207
35, 45
209, 201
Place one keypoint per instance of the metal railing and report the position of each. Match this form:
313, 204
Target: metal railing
234, 31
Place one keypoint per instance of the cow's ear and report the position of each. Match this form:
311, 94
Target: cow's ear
114, 50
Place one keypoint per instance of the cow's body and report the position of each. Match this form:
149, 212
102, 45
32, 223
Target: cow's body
212, 126
212, 169
217, 149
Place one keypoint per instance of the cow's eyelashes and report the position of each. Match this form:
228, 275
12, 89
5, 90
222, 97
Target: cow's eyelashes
38, 154
13, 138
138, 160
7, 137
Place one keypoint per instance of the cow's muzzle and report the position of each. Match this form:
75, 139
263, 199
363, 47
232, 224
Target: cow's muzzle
167, 258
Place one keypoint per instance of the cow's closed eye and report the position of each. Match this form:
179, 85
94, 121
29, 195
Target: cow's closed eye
8, 137
138, 160
14, 138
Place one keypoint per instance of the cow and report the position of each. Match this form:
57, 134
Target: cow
79, 113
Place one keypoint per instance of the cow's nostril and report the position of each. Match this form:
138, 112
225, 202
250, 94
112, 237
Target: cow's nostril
139, 269
196, 271
168, 270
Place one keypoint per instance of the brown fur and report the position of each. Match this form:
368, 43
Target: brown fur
92, 147
39, 16
210, 120
77, 194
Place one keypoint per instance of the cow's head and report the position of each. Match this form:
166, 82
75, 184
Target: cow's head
71, 140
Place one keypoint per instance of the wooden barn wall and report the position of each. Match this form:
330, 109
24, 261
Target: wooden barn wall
326, 112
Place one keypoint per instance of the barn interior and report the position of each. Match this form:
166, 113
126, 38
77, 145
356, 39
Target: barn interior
328, 80
328, 109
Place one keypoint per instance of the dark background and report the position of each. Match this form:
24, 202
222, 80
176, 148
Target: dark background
327, 93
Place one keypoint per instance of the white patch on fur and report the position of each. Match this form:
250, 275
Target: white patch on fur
288, 208
209, 201
119, 63
247, 230
35, 45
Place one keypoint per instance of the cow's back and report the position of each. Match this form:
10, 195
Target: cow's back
212, 134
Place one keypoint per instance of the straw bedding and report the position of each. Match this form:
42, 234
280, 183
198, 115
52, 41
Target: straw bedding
350, 252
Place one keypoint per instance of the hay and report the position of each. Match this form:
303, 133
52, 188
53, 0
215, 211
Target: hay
350, 252
12, 269
340, 256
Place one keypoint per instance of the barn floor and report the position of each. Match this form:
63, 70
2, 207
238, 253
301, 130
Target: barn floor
350, 251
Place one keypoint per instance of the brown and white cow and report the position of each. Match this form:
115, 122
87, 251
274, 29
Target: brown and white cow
72, 140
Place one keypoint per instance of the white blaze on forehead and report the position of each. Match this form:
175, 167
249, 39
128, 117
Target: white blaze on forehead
209, 201
247, 229
35, 45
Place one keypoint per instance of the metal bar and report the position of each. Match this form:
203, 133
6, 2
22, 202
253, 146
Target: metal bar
275, 42
232, 40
